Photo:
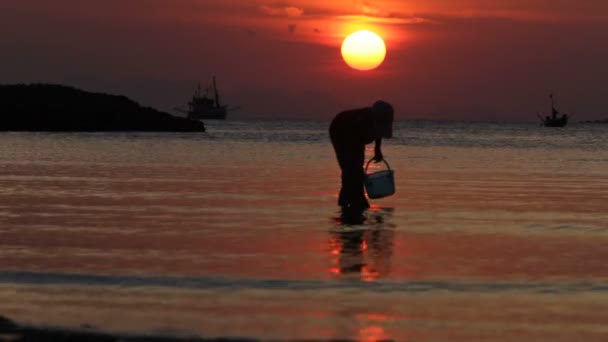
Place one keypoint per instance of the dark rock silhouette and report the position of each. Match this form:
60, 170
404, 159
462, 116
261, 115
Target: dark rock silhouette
48, 107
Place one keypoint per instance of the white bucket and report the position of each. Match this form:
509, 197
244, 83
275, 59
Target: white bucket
379, 184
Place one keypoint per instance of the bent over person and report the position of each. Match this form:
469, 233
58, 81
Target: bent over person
350, 131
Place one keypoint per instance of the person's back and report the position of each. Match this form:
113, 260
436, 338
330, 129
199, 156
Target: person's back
352, 126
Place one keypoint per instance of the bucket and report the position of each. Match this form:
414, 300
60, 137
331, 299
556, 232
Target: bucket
379, 184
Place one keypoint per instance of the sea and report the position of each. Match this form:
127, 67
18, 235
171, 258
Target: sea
496, 232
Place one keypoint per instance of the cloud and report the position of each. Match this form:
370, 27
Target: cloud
434, 11
392, 20
368, 9
285, 11
362, 11
371, 13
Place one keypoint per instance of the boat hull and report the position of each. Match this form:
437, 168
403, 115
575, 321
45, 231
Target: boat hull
208, 114
556, 122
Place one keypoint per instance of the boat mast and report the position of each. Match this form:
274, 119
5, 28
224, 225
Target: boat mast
217, 95
553, 111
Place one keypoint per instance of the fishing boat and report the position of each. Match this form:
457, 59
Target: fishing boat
207, 105
555, 119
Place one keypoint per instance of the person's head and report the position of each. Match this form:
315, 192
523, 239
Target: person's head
382, 113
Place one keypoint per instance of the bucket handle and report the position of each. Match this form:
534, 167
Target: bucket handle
371, 160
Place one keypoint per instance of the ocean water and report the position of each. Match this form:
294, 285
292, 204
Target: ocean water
496, 232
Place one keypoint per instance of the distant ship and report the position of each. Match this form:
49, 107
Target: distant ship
555, 120
207, 106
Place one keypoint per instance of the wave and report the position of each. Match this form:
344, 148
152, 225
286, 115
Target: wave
207, 283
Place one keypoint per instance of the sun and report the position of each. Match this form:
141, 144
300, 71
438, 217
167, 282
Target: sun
363, 50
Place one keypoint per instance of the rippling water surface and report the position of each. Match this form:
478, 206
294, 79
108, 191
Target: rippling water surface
496, 232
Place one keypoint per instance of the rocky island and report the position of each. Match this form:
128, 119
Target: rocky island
58, 108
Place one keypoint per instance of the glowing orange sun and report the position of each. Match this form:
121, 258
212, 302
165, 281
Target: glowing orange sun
363, 50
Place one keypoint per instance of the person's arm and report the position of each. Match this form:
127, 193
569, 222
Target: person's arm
378, 157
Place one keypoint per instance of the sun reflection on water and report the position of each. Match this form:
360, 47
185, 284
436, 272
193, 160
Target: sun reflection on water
373, 328
363, 250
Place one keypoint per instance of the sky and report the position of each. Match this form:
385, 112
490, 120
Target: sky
483, 60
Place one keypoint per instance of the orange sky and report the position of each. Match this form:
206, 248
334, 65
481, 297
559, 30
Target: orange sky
447, 59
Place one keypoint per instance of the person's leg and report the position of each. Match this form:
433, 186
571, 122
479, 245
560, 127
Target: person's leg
352, 198
342, 155
351, 157
358, 195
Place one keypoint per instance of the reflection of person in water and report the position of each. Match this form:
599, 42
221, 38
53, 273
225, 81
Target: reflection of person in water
364, 252
350, 131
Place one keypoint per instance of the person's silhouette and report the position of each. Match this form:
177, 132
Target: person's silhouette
350, 131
